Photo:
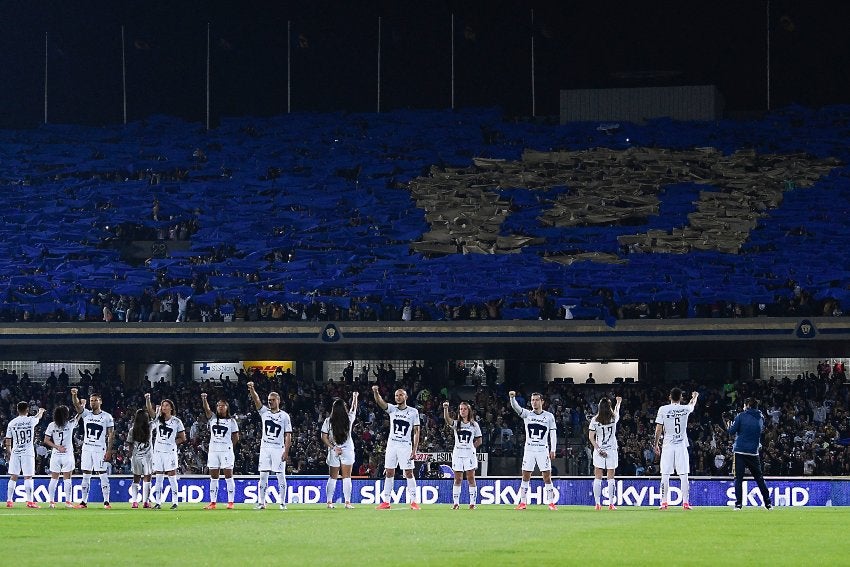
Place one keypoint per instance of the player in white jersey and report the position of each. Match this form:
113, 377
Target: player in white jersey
98, 436
672, 422
541, 440
336, 435
140, 446
467, 434
224, 434
59, 438
602, 433
20, 452
402, 445
274, 445
169, 433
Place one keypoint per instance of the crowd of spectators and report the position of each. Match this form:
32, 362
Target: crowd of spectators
807, 420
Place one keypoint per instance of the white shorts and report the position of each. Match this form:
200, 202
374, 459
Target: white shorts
92, 459
612, 461
675, 458
22, 464
462, 462
220, 460
398, 455
271, 460
142, 465
164, 462
539, 458
347, 457
61, 462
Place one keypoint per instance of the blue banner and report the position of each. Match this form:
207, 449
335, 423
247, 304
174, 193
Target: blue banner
637, 491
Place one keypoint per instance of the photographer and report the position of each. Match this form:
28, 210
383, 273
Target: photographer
747, 428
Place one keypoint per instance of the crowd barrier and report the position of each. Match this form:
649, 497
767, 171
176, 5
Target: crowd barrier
631, 491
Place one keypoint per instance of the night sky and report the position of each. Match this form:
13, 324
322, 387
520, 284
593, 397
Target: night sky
335, 64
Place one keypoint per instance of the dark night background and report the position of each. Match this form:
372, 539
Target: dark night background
334, 54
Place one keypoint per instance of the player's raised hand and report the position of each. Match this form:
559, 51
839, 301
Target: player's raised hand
695, 395
74, 391
511, 394
251, 386
147, 396
445, 405
618, 399
204, 396
375, 389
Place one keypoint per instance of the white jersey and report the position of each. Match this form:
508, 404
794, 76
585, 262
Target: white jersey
349, 442
674, 418
95, 427
221, 434
465, 436
537, 427
275, 427
606, 435
21, 430
142, 448
62, 435
402, 422
166, 434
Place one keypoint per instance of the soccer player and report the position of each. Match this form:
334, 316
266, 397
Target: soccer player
672, 422
603, 436
467, 434
140, 446
20, 452
98, 436
274, 445
402, 444
224, 434
336, 435
747, 428
169, 433
541, 440
59, 438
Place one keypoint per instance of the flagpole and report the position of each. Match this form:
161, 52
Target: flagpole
208, 75
288, 66
453, 62
379, 65
45, 77
124, 74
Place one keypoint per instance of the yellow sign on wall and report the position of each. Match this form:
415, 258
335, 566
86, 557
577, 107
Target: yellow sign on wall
268, 367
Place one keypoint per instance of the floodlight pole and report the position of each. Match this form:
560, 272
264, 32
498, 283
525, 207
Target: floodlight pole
45, 77
124, 74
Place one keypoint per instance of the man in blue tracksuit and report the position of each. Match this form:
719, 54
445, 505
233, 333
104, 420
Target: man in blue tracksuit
747, 428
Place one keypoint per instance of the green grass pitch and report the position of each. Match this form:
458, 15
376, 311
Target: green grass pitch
310, 534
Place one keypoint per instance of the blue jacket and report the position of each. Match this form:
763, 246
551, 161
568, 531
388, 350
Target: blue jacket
747, 427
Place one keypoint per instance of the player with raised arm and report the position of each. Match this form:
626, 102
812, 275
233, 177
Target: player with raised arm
224, 434
602, 434
336, 435
140, 446
20, 452
98, 436
58, 437
672, 423
169, 433
402, 445
468, 438
274, 445
541, 440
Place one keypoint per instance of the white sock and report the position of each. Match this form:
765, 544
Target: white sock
66, 484
146, 490
523, 490
28, 485
612, 491
134, 492
346, 489
683, 478
172, 482
86, 486
411, 490
10, 490
455, 494
231, 489
160, 487
104, 486
213, 490
473, 494
281, 486
262, 487
665, 488
51, 490
388, 483
330, 489
549, 490
597, 491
